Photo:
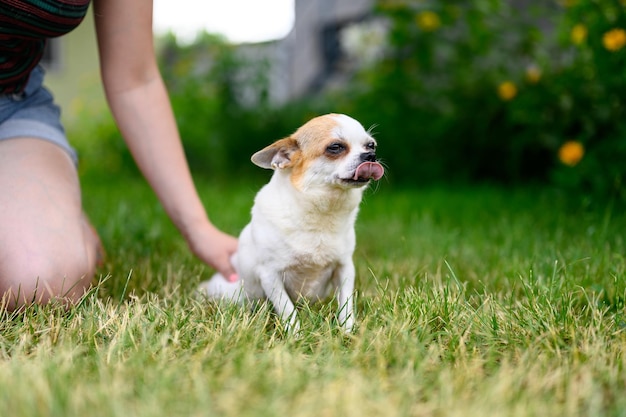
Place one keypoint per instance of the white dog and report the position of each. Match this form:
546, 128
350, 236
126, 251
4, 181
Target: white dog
301, 238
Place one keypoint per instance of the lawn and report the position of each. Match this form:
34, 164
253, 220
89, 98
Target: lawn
472, 301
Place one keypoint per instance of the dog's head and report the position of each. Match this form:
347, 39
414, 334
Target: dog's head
331, 149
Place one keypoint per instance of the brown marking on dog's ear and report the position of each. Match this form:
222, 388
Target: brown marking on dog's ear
278, 155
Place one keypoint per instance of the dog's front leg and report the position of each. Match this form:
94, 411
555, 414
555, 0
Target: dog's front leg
344, 281
274, 289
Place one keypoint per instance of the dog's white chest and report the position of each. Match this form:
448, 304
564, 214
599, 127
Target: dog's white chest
309, 259
303, 244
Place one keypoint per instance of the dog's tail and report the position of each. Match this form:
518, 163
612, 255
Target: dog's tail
219, 288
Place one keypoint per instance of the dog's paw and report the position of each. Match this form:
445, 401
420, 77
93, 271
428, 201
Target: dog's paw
348, 326
294, 331
220, 289
292, 326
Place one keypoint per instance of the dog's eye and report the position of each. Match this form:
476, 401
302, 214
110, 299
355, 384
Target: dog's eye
335, 148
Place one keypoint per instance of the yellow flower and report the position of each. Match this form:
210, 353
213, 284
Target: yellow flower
507, 91
533, 74
571, 152
614, 39
578, 34
428, 21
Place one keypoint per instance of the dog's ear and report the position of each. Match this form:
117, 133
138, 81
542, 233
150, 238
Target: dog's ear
278, 155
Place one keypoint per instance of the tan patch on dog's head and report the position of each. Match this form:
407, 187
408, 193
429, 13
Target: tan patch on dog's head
300, 149
312, 154
313, 138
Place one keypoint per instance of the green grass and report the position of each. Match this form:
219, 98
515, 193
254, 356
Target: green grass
472, 301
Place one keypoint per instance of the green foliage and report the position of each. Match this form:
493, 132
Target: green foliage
435, 94
592, 86
98, 141
486, 90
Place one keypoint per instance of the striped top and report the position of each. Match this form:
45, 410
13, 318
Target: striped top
25, 25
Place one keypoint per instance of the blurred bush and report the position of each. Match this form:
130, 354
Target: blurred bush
221, 100
485, 90
459, 91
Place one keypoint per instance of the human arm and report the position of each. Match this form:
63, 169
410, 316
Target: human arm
140, 105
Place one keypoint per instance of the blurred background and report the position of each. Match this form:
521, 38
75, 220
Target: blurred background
509, 92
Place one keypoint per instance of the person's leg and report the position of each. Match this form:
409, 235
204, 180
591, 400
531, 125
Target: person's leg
48, 250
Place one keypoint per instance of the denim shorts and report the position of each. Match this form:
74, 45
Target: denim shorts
33, 114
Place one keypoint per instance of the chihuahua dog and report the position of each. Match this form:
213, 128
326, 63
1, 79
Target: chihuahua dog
301, 238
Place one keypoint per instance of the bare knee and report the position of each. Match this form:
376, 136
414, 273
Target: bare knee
27, 279
47, 250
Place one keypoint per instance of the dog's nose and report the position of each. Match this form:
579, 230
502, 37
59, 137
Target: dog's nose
368, 157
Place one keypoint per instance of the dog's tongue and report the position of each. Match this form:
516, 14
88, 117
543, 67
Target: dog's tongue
369, 170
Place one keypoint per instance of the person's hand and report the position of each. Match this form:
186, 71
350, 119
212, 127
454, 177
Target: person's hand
215, 248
